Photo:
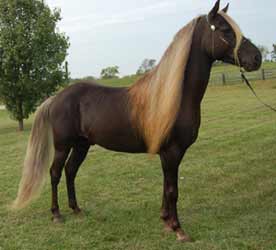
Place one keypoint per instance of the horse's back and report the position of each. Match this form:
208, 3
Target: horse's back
81, 89
99, 113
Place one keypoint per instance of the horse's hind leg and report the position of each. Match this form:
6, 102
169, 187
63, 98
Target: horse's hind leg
77, 156
55, 172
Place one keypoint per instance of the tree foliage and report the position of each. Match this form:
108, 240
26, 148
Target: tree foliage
32, 54
110, 72
147, 65
264, 51
273, 53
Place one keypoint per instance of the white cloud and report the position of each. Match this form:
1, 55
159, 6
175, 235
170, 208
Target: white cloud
95, 20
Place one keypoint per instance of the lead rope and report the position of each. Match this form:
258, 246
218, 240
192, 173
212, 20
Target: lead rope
250, 86
253, 91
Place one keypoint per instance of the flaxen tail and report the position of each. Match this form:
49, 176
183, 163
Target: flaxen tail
37, 157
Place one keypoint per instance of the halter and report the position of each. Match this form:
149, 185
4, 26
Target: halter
213, 29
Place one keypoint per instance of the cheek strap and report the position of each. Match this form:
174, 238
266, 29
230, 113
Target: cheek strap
213, 29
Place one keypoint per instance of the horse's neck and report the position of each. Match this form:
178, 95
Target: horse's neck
196, 75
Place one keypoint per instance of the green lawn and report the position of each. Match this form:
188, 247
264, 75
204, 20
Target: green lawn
227, 187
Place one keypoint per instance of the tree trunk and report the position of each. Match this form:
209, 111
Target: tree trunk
20, 125
20, 117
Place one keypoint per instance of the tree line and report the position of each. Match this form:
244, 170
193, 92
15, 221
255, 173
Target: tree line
113, 71
266, 53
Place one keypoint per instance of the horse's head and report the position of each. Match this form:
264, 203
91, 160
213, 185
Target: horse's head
224, 41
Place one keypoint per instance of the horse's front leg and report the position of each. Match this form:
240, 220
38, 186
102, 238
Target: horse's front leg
170, 159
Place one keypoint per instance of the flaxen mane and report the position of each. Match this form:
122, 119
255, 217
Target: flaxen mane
237, 32
156, 97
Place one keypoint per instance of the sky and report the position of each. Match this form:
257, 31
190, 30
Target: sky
105, 33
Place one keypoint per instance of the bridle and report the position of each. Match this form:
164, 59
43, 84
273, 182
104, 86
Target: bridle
213, 29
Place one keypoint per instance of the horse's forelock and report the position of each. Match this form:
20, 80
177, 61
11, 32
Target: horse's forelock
237, 31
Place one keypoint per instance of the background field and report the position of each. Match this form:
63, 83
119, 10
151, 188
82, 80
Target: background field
231, 74
227, 187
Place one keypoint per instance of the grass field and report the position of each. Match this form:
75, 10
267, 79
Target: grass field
227, 187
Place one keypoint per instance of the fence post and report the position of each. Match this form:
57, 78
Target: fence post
263, 74
223, 78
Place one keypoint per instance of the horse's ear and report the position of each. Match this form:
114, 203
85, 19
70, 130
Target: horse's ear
226, 8
212, 14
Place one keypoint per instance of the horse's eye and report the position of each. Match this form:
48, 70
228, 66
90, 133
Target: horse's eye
226, 30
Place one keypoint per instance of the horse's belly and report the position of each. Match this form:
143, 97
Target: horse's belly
109, 126
121, 144
121, 139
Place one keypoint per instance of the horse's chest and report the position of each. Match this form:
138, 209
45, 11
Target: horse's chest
186, 130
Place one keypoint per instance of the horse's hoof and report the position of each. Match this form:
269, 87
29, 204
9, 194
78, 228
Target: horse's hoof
182, 237
164, 215
57, 219
167, 228
78, 211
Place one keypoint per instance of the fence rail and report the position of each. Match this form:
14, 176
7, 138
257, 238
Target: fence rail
235, 76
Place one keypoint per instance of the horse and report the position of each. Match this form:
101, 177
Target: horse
159, 114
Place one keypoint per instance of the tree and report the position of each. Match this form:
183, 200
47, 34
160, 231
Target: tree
264, 51
273, 53
147, 65
32, 54
110, 72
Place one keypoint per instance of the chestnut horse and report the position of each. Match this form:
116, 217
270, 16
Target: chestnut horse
159, 114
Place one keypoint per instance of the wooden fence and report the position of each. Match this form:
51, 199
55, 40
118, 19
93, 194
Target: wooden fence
235, 76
